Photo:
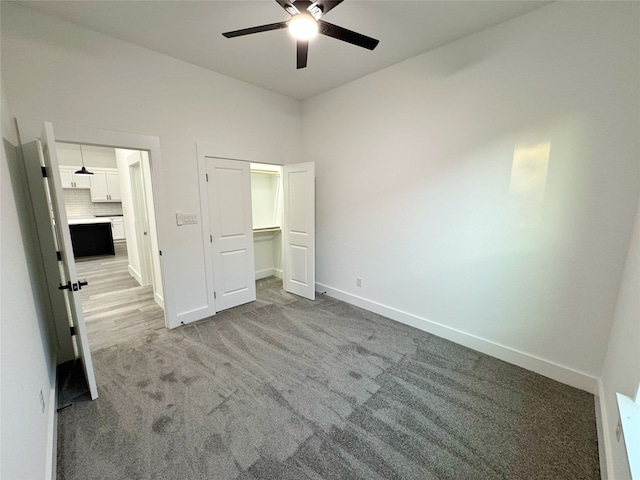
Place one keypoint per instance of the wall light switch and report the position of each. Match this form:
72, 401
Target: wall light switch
190, 218
186, 218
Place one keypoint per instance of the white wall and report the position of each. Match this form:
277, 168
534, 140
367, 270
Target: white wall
61, 72
27, 362
266, 202
417, 194
621, 369
264, 199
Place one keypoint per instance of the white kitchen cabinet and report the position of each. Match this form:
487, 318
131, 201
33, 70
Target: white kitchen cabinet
105, 185
113, 185
70, 180
117, 228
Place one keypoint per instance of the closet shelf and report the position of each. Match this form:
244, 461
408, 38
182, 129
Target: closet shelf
266, 172
266, 229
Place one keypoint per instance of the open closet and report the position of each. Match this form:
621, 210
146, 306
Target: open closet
266, 208
261, 223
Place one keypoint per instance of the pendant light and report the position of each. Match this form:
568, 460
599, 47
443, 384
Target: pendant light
83, 170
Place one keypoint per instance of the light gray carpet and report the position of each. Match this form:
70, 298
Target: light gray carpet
285, 388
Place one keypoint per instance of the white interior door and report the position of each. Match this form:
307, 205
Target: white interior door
300, 229
141, 222
68, 277
229, 198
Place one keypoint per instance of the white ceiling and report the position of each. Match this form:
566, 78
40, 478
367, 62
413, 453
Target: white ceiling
191, 31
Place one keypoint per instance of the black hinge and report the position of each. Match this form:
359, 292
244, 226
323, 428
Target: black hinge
160, 252
211, 238
207, 175
59, 256
214, 294
44, 171
73, 330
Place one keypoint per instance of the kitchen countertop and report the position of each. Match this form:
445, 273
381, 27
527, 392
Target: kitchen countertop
87, 220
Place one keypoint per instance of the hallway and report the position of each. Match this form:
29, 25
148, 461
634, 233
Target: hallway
116, 308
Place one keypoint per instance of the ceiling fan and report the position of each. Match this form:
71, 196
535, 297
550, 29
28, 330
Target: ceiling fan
305, 23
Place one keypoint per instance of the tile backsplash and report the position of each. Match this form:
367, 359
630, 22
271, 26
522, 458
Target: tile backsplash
78, 204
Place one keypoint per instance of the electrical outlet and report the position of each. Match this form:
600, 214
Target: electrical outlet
358, 282
619, 430
42, 401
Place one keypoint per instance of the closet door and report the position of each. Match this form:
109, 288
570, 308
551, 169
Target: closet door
229, 197
299, 229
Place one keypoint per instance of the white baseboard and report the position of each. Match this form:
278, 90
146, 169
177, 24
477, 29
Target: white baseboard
547, 368
268, 272
52, 432
159, 300
135, 275
604, 437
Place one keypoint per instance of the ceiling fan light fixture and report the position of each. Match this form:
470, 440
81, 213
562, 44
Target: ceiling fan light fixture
305, 22
303, 26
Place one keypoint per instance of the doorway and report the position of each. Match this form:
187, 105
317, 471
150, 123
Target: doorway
38, 142
122, 298
259, 220
266, 207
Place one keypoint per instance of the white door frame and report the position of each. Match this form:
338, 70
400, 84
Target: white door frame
29, 130
140, 213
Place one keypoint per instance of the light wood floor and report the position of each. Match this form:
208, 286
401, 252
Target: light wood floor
115, 306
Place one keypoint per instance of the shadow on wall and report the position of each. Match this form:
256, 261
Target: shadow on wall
27, 228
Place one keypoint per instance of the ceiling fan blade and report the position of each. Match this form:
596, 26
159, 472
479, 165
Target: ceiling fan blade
331, 30
261, 28
302, 50
288, 6
325, 5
